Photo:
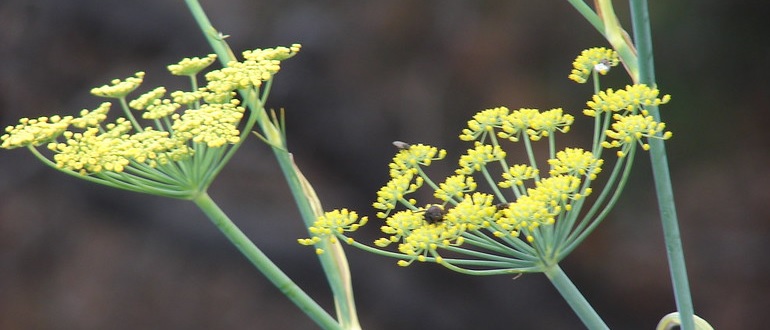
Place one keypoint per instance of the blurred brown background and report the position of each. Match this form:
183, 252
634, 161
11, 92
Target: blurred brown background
74, 255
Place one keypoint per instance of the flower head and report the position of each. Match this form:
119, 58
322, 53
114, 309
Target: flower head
191, 66
212, 124
598, 59
577, 162
546, 123
394, 192
331, 223
178, 156
93, 118
119, 88
478, 157
629, 100
517, 174
409, 159
34, 132
630, 130
484, 123
455, 186
426, 240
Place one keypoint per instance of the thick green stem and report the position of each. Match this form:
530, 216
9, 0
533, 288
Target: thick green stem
641, 27
572, 295
263, 263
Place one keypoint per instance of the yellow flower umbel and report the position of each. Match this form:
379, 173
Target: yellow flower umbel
178, 147
525, 221
592, 61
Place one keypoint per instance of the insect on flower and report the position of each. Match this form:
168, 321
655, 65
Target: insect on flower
434, 214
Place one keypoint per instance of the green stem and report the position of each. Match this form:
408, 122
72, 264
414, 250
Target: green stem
588, 14
333, 262
572, 295
640, 21
263, 263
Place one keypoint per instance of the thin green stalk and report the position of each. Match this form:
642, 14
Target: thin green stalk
640, 21
333, 262
574, 298
588, 14
263, 263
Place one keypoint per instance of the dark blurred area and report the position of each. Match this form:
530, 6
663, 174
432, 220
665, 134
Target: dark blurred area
74, 255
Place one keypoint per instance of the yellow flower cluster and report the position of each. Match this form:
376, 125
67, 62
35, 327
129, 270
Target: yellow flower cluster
211, 118
191, 66
89, 118
629, 100
258, 66
628, 130
522, 213
535, 124
597, 59
117, 88
34, 132
331, 223
213, 124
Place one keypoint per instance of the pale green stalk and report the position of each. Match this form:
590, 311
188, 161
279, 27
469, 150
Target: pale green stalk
333, 261
263, 263
573, 297
640, 21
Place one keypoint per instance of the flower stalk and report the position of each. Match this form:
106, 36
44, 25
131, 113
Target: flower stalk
640, 21
281, 281
272, 132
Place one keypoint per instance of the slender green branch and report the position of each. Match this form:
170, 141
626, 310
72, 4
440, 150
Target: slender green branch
641, 26
588, 14
263, 263
333, 263
574, 298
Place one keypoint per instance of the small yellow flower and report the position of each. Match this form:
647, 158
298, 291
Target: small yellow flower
160, 109
187, 98
212, 124
526, 213
424, 241
631, 99
475, 211
400, 225
394, 191
557, 191
409, 159
478, 157
483, 123
455, 186
517, 174
144, 100
92, 118
597, 59
93, 151
119, 89
628, 130
191, 66
548, 122
517, 122
333, 223
34, 132
258, 66
577, 162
